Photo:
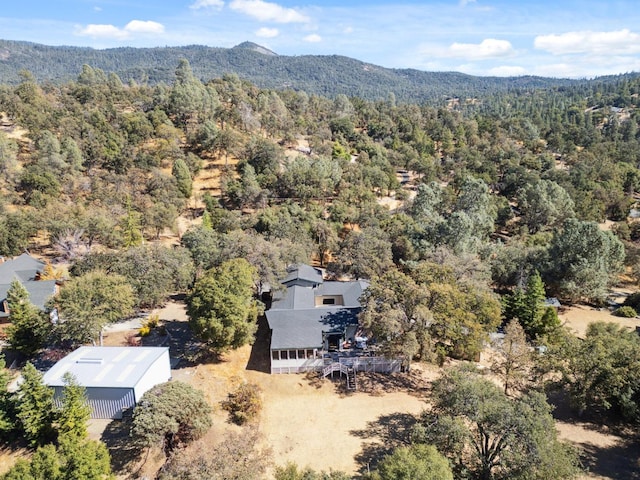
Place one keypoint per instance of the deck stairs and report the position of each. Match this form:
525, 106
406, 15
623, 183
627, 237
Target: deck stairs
348, 372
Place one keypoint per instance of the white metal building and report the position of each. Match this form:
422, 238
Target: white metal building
115, 377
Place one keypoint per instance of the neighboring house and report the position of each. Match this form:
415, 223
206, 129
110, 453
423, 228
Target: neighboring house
26, 270
314, 323
115, 378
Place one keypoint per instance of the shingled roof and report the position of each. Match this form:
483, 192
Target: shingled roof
25, 269
295, 318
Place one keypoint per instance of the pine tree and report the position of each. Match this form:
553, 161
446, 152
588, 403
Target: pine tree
183, 177
534, 305
29, 327
131, 232
74, 459
34, 405
207, 221
75, 411
6, 403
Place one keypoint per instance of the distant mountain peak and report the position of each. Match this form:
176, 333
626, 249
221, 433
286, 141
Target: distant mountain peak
256, 48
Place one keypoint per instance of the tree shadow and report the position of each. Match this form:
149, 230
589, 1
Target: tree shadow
184, 349
411, 382
618, 460
621, 460
125, 456
382, 436
259, 358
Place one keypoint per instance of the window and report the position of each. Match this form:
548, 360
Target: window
328, 301
275, 355
292, 354
301, 354
283, 355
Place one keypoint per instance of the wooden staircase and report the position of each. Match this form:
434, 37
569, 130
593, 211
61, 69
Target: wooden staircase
351, 379
349, 372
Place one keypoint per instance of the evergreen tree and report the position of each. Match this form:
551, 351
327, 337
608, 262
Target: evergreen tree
74, 459
75, 411
6, 403
183, 177
29, 327
534, 308
222, 311
417, 462
83, 459
34, 405
207, 222
527, 305
131, 229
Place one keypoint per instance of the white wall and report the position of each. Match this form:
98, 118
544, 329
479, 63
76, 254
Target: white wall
158, 372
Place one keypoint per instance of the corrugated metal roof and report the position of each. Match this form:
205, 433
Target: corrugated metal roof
120, 367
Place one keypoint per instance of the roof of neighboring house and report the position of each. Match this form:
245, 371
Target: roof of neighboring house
552, 302
296, 321
25, 268
115, 367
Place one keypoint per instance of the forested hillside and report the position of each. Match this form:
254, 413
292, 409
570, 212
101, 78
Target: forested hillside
320, 75
464, 217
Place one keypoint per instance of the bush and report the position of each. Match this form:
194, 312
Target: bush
152, 321
144, 331
633, 301
244, 404
626, 312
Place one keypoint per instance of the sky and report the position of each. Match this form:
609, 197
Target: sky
561, 38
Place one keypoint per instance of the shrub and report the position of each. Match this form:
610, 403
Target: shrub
144, 331
633, 300
626, 312
152, 321
244, 404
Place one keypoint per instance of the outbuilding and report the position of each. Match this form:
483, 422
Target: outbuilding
115, 378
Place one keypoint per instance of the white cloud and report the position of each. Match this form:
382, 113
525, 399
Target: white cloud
507, 71
97, 9
488, 48
206, 4
265, 32
268, 12
113, 32
140, 26
313, 38
604, 43
101, 31
464, 3
348, 30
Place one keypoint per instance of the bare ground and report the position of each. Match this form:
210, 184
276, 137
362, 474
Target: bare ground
316, 423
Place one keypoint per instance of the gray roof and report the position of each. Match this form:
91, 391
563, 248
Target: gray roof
296, 321
303, 274
115, 367
25, 269
292, 329
297, 297
25, 263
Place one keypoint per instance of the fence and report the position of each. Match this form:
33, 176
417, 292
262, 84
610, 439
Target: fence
360, 364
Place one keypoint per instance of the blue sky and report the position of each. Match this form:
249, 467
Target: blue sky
573, 38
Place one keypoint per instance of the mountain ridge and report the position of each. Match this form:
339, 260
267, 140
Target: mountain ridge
327, 75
